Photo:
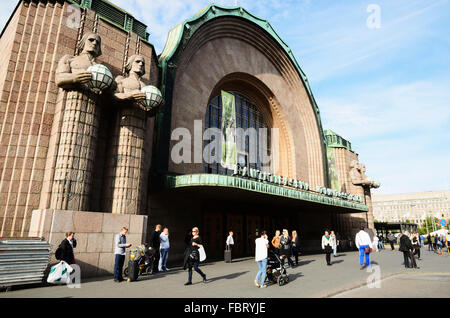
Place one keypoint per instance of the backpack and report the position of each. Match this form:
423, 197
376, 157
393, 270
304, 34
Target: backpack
59, 253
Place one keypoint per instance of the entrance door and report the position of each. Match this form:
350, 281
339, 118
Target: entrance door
235, 223
254, 228
213, 234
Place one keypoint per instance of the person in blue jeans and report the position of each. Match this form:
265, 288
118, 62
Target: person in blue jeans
380, 242
363, 241
120, 244
164, 250
261, 246
194, 261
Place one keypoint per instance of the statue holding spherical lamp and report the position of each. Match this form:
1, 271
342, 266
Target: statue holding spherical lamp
82, 80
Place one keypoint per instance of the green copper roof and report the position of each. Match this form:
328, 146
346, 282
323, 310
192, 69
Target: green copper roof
335, 141
213, 180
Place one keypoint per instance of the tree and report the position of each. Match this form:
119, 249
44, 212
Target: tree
427, 226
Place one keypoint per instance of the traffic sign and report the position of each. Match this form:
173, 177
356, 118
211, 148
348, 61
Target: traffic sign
443, 222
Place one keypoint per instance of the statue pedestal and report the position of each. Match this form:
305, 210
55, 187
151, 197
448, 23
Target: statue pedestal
94, 232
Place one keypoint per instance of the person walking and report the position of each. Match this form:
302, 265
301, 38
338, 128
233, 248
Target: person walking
334, 243
192, 256
363, 243
295, 246
120, 244
430, 246
416, 244
261, 246
391, 239
66, 247
375, 242
276, 242
285, 248
156, 243
433, 242
438, 245
406, 247
326, 246
164, 250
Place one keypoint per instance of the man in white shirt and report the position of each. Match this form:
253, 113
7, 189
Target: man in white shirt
261, 246
363, 241
230, 241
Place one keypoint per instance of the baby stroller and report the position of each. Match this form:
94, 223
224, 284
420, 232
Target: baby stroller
276, 272
140, 262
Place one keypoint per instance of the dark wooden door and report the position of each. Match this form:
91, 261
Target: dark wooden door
213, 234
254, 228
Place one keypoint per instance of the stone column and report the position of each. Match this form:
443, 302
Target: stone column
76, 153
126, 171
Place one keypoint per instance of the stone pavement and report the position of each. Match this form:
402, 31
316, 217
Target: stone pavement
311, 279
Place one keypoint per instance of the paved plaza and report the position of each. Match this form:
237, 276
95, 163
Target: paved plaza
312, 278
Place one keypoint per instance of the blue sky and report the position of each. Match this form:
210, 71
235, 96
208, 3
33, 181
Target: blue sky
386, 89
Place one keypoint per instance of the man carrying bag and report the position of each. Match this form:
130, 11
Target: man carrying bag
363, 243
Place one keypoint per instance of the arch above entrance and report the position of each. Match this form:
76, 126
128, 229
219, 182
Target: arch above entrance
225, 50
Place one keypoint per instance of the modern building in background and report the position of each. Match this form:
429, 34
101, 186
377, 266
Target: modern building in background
415, 207
71, 160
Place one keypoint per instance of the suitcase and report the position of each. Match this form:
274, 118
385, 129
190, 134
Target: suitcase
227, 255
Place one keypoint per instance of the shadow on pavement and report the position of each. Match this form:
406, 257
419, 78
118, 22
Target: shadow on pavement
293, 277
305, 262
337, 262
230, 276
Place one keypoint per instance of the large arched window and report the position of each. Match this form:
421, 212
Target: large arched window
247, 116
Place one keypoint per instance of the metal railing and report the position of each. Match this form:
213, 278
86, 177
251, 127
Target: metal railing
23, 261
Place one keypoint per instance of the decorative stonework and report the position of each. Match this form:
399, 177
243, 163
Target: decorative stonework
358, 175
78, 141
125, 173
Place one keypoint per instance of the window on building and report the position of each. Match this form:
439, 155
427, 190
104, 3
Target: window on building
247, 116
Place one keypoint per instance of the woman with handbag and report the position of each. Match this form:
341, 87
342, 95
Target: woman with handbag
285, 248
192, 256
363, 243
326, 246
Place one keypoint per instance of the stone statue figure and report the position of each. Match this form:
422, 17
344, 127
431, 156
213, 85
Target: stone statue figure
358, 175
126, 176
76, 151
129, 88
71, 71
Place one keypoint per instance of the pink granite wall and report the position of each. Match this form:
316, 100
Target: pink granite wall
94, 234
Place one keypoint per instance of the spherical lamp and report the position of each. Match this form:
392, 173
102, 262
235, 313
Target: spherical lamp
101, 78
153, 98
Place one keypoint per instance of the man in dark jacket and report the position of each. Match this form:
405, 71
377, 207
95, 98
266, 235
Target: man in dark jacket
67, 246
406, 247
156, 242
391, 239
